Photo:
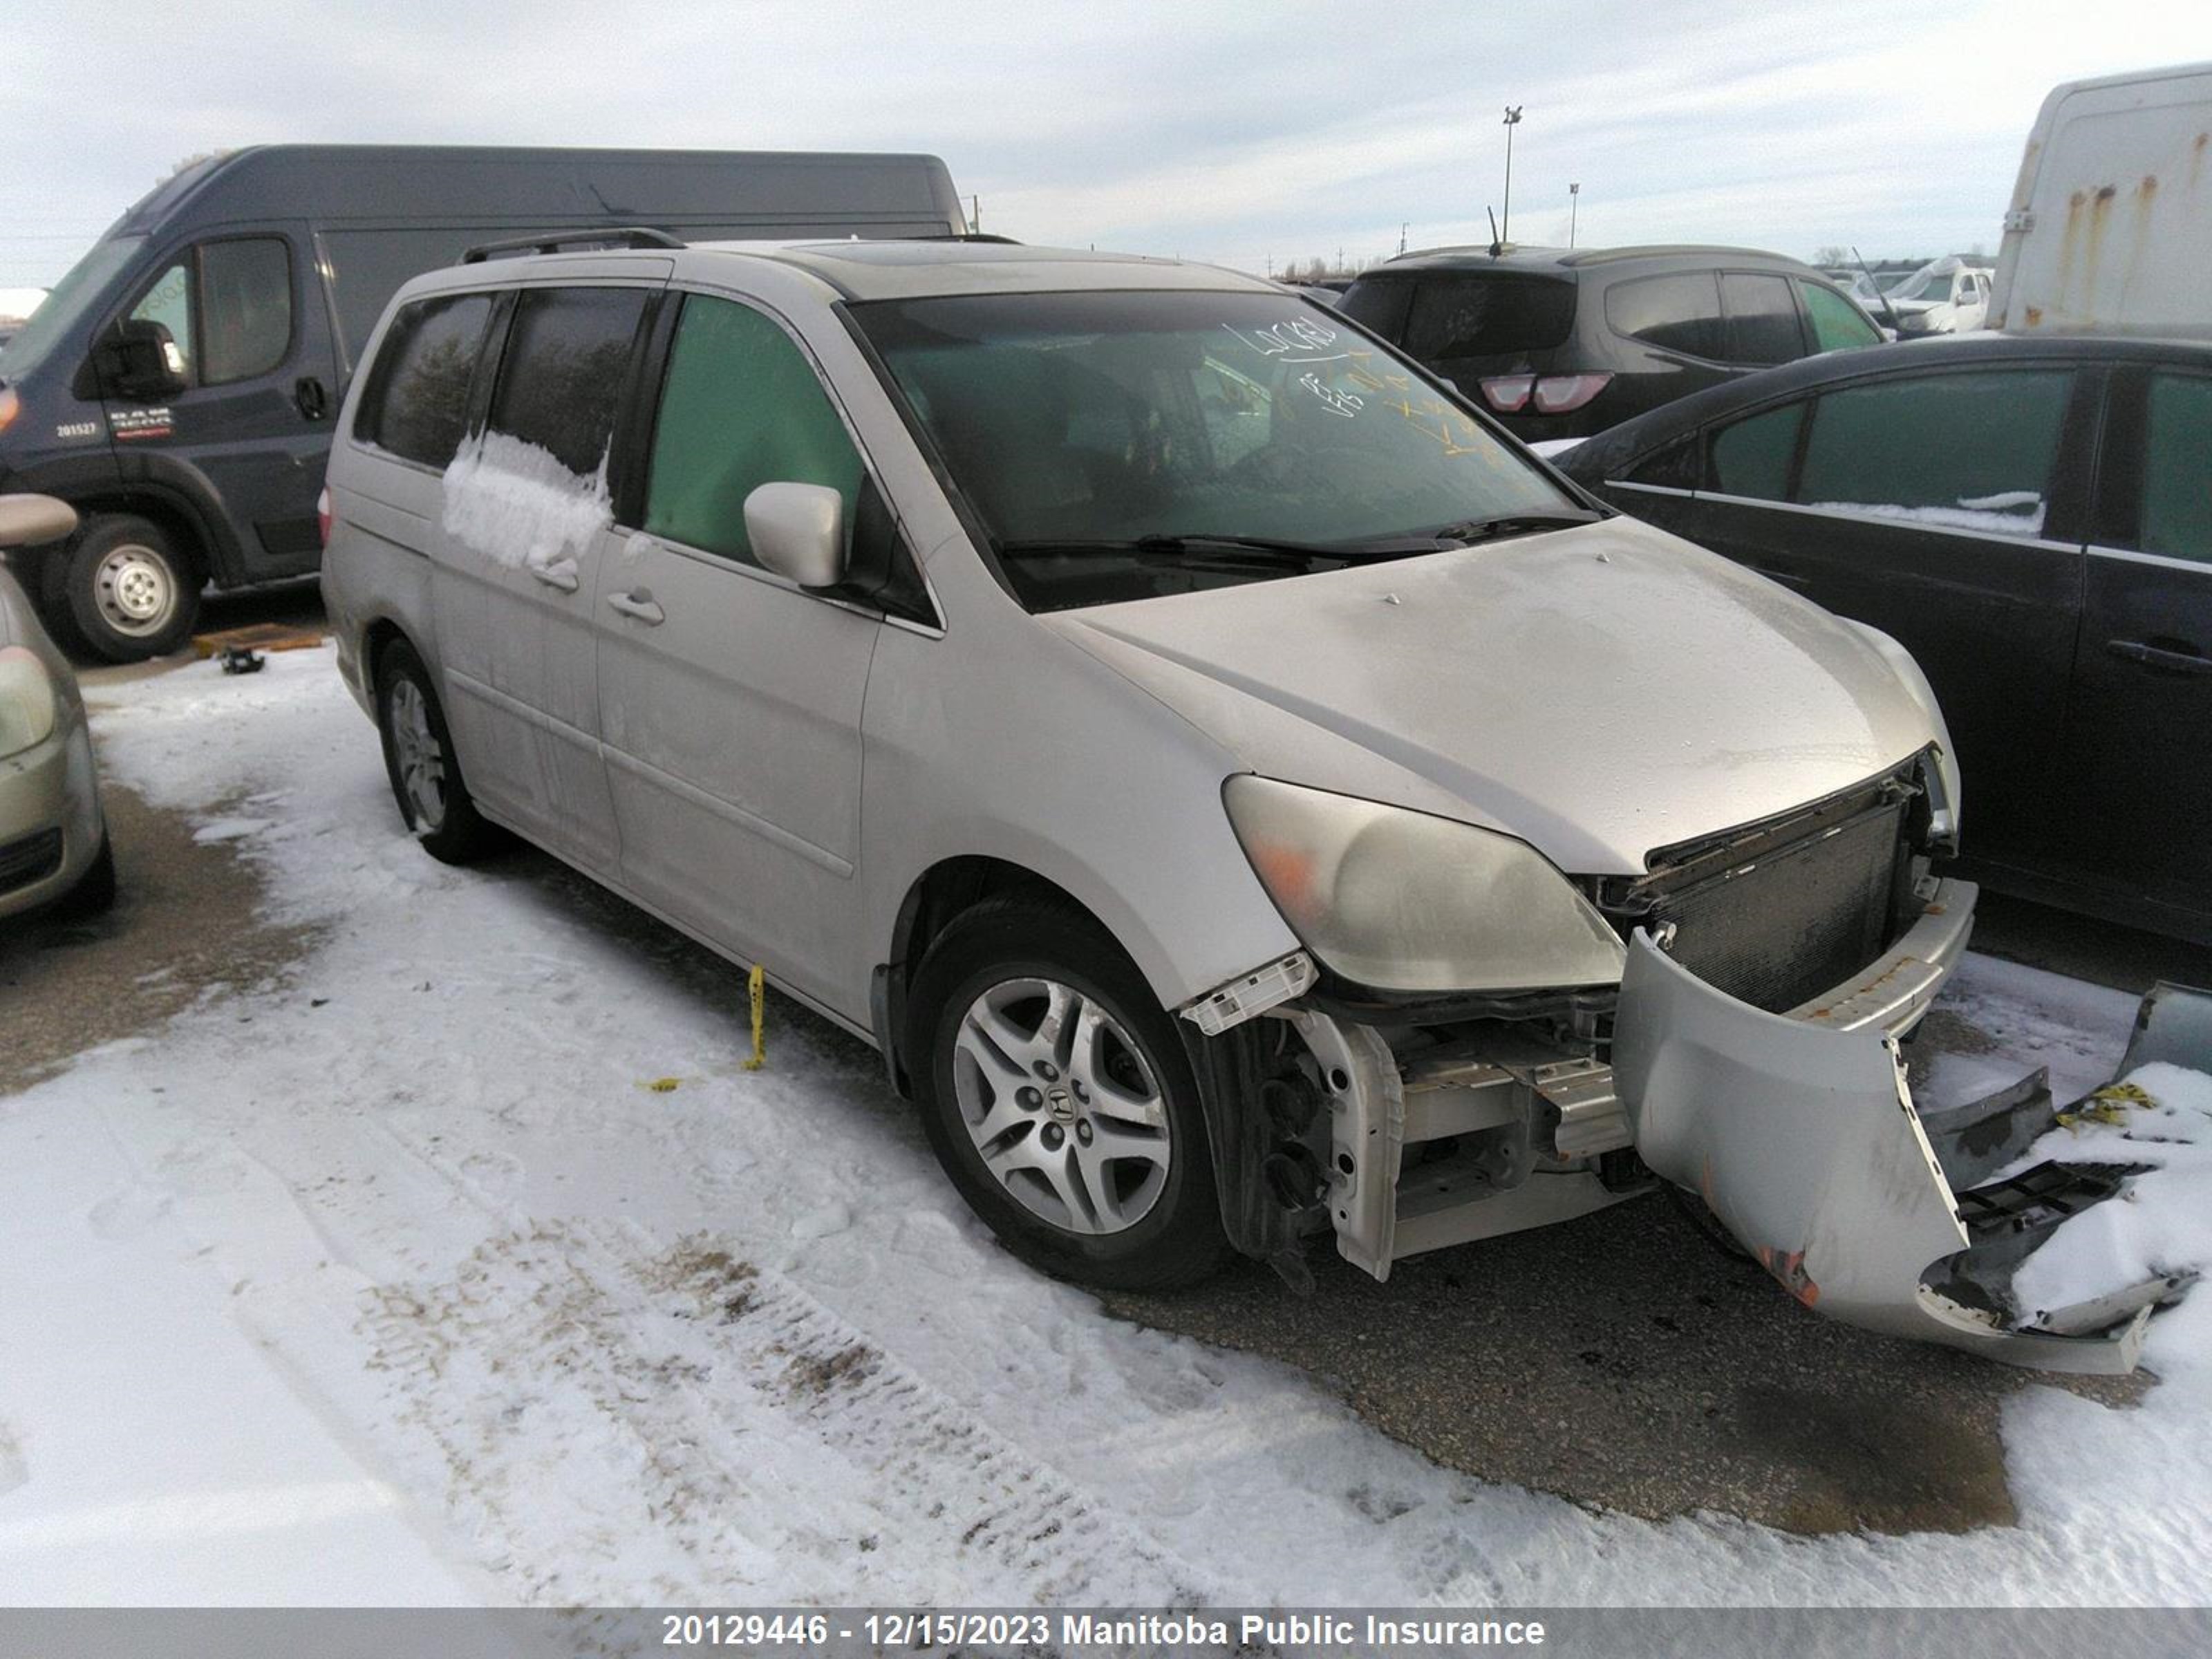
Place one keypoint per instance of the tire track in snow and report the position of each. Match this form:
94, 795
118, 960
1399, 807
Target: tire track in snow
611, 1414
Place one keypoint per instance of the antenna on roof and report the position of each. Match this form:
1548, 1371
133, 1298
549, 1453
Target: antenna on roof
1497, 245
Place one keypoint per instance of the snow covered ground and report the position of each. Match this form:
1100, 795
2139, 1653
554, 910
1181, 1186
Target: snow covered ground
401, 1281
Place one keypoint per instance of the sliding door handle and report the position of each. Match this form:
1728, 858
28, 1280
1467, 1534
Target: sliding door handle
561, 573
639, 603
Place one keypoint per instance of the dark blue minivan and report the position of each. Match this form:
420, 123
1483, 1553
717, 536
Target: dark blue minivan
178, 385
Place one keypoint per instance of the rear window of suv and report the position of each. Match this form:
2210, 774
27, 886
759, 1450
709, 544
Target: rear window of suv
1487, 314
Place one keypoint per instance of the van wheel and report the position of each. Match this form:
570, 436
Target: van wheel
419, 759
131, 594
1058, 1097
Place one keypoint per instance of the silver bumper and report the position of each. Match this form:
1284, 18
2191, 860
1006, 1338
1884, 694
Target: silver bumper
1799, 1134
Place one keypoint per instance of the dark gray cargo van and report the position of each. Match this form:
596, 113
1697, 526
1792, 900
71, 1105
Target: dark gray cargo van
178, 383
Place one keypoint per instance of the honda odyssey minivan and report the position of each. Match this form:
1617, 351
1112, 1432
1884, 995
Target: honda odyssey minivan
1242, 794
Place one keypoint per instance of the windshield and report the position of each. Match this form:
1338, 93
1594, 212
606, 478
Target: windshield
59, 317
1114, 444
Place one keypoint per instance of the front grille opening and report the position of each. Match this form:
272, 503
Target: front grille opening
1778, 913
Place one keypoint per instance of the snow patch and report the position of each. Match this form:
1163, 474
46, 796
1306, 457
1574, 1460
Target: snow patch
514, 503
2010, 513
2162, 1223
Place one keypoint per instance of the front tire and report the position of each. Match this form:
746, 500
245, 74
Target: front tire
420, 762
131, 591
94, 892
1058, 1097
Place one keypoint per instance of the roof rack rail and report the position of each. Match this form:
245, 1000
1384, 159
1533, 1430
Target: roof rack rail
610, 236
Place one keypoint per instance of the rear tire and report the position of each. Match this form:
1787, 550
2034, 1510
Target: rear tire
419, 760
131, 592
1059, 1098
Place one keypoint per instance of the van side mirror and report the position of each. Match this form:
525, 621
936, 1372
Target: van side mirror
140, 359
797, 530
34, 520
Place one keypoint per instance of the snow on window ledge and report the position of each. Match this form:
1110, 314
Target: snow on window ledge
515, 503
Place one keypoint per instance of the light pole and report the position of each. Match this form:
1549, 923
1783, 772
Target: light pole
1574, 202
1505, 218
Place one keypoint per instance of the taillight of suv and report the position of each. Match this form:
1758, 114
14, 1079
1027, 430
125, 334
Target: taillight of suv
1548, 394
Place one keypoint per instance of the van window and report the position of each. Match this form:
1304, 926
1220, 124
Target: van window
1837, 325
1676, 313
741, 407
245, 307
227, 305
1485, 315
416, 403
169, 302
1762, 319
2177, 498
1963, 452
562, 376
368, 266
1751, 457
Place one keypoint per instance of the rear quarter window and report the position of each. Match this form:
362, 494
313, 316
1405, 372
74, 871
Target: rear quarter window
1679, 312
416, 403
1487, 315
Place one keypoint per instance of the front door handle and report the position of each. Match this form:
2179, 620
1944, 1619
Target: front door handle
2160, 657
561, 573
639, 604
307, 394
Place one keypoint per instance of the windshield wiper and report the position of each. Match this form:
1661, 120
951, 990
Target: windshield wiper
1471, 530
1267, 552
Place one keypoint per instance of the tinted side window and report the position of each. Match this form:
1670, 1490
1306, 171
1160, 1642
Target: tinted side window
1762, 319
1836, 325
1676, 313
1965, 452
1751, 457
742, 407
1379, 303
562, 377
2177, 498
245, 307
417, 401
1481, 316
1675, 466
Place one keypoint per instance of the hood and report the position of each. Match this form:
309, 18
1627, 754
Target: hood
1599, 692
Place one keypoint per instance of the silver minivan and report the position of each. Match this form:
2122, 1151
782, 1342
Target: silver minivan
1241, 793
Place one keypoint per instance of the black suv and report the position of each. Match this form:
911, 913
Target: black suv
1561, 343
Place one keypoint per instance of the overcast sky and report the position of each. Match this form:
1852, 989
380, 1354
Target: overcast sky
1215, 130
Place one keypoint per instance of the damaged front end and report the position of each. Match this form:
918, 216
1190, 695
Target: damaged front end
1801, 1135
1748, 1053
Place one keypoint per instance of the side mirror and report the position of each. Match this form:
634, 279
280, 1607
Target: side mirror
34, 520
140, 359
797, 530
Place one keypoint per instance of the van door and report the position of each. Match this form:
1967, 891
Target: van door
731, 698
249, 436
526, 507
2140, 727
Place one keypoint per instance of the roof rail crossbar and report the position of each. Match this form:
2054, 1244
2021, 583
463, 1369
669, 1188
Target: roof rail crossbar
611, 236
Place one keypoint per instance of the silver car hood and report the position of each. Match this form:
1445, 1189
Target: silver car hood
1601, 691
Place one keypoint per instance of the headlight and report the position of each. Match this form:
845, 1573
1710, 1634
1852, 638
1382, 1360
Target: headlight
1944, 809
1403, 900
26, 701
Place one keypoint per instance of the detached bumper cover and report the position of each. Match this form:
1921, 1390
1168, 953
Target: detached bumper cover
1799, 1134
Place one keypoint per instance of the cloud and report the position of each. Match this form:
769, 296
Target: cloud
1232, 132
